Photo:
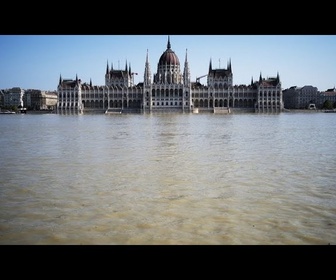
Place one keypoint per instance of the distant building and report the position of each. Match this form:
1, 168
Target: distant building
2, 97
35, 99
170, 89
300, 97
329, 94
13, 97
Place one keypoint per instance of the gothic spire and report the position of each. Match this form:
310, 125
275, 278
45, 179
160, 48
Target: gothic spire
210, 65
278, 77
168, 44
147, 74
186, 73
107, 68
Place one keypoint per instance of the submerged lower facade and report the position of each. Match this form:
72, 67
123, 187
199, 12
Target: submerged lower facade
170, 90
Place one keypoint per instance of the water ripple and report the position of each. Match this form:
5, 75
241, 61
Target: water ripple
168, 179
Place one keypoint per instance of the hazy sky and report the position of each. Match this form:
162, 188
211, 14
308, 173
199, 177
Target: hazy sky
37, 61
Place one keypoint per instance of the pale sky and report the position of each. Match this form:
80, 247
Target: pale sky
37, 61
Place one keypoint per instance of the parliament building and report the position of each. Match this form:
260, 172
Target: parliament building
170, 89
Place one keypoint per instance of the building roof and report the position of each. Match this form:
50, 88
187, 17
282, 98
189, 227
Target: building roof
169, 57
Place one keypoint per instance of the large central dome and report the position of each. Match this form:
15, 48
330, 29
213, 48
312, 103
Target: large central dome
169, 57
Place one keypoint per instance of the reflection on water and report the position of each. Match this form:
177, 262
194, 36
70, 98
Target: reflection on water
168, 179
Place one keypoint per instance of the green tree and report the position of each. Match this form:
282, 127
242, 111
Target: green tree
327, 105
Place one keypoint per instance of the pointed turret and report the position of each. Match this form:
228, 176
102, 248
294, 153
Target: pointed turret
229, 68
60, 80
90, 82
107, 68
168, 44
186, 72
210, 65
278, 78
147, 74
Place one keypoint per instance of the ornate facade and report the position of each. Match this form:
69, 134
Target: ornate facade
170, 89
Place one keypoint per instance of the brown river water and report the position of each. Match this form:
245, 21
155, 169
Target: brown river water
238, 179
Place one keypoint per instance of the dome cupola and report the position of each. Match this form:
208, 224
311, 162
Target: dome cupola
169, 57
168, 70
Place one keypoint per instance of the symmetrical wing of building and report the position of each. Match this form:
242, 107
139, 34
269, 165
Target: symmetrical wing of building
170, 89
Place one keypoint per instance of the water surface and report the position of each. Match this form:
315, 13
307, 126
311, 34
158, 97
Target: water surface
168, 179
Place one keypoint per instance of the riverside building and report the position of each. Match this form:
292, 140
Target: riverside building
170, 89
